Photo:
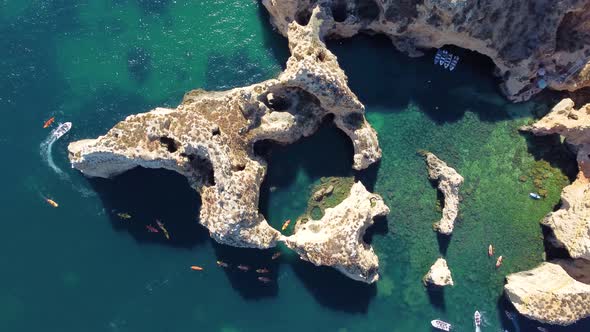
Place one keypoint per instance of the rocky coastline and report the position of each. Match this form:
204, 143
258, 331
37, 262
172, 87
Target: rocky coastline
527, 41
558, 292
337, 238
209, 138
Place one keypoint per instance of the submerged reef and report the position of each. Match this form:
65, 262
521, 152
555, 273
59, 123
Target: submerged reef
520, 37
337, 238
327, 194
449, 182
209, 138
439, 274
559, 292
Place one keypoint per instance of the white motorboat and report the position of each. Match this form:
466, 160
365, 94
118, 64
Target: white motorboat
441, 325
61, 129
437, 57
535, 196
477, 318
448, 60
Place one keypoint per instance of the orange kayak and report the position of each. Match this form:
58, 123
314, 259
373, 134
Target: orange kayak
491, 250
499, 262
286, 224
51, 202
48, 122
196, 268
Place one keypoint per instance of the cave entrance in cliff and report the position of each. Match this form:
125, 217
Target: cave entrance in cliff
441, 94
293, 170
144, 195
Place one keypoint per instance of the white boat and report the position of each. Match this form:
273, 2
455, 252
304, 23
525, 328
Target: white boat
454, 62
448, 60
542, 329
477, 318
443, 57
61, 129
534, 196
439, 324
437, 57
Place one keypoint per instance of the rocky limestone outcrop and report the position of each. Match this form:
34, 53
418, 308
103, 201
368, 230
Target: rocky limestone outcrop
559, 292
571, 223
439, 274
449, 182
549, 294
336, 239
519, 36
209, 137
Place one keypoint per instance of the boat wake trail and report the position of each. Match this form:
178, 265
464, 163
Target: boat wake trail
45, 149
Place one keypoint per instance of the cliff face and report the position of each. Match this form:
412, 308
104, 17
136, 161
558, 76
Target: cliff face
559, 292
336, 239
449, 182
517, 35
571, 223
209, 138
549, 294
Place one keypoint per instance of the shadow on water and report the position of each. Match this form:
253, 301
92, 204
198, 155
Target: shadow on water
368, 176
550, 149
380, 227
436, 296
333, 289
147, 195
441, 94
273, 40
246, 283
443, 242
328, 152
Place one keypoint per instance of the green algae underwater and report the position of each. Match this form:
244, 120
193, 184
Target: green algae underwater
82, 268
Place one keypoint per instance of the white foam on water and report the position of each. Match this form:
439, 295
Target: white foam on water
46, 149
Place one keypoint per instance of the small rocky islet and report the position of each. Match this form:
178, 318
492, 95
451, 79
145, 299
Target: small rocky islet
210, 137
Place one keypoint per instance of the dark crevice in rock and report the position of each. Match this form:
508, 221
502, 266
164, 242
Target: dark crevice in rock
203, 168
303, 17
171, 144
339, 11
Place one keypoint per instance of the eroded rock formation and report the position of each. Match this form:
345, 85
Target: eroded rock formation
439, 274
549, 294
571, 223
209, 137
559, 292
336, 239
449, 182
519, 36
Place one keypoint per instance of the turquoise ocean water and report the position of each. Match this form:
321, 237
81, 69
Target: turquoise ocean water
81, 268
